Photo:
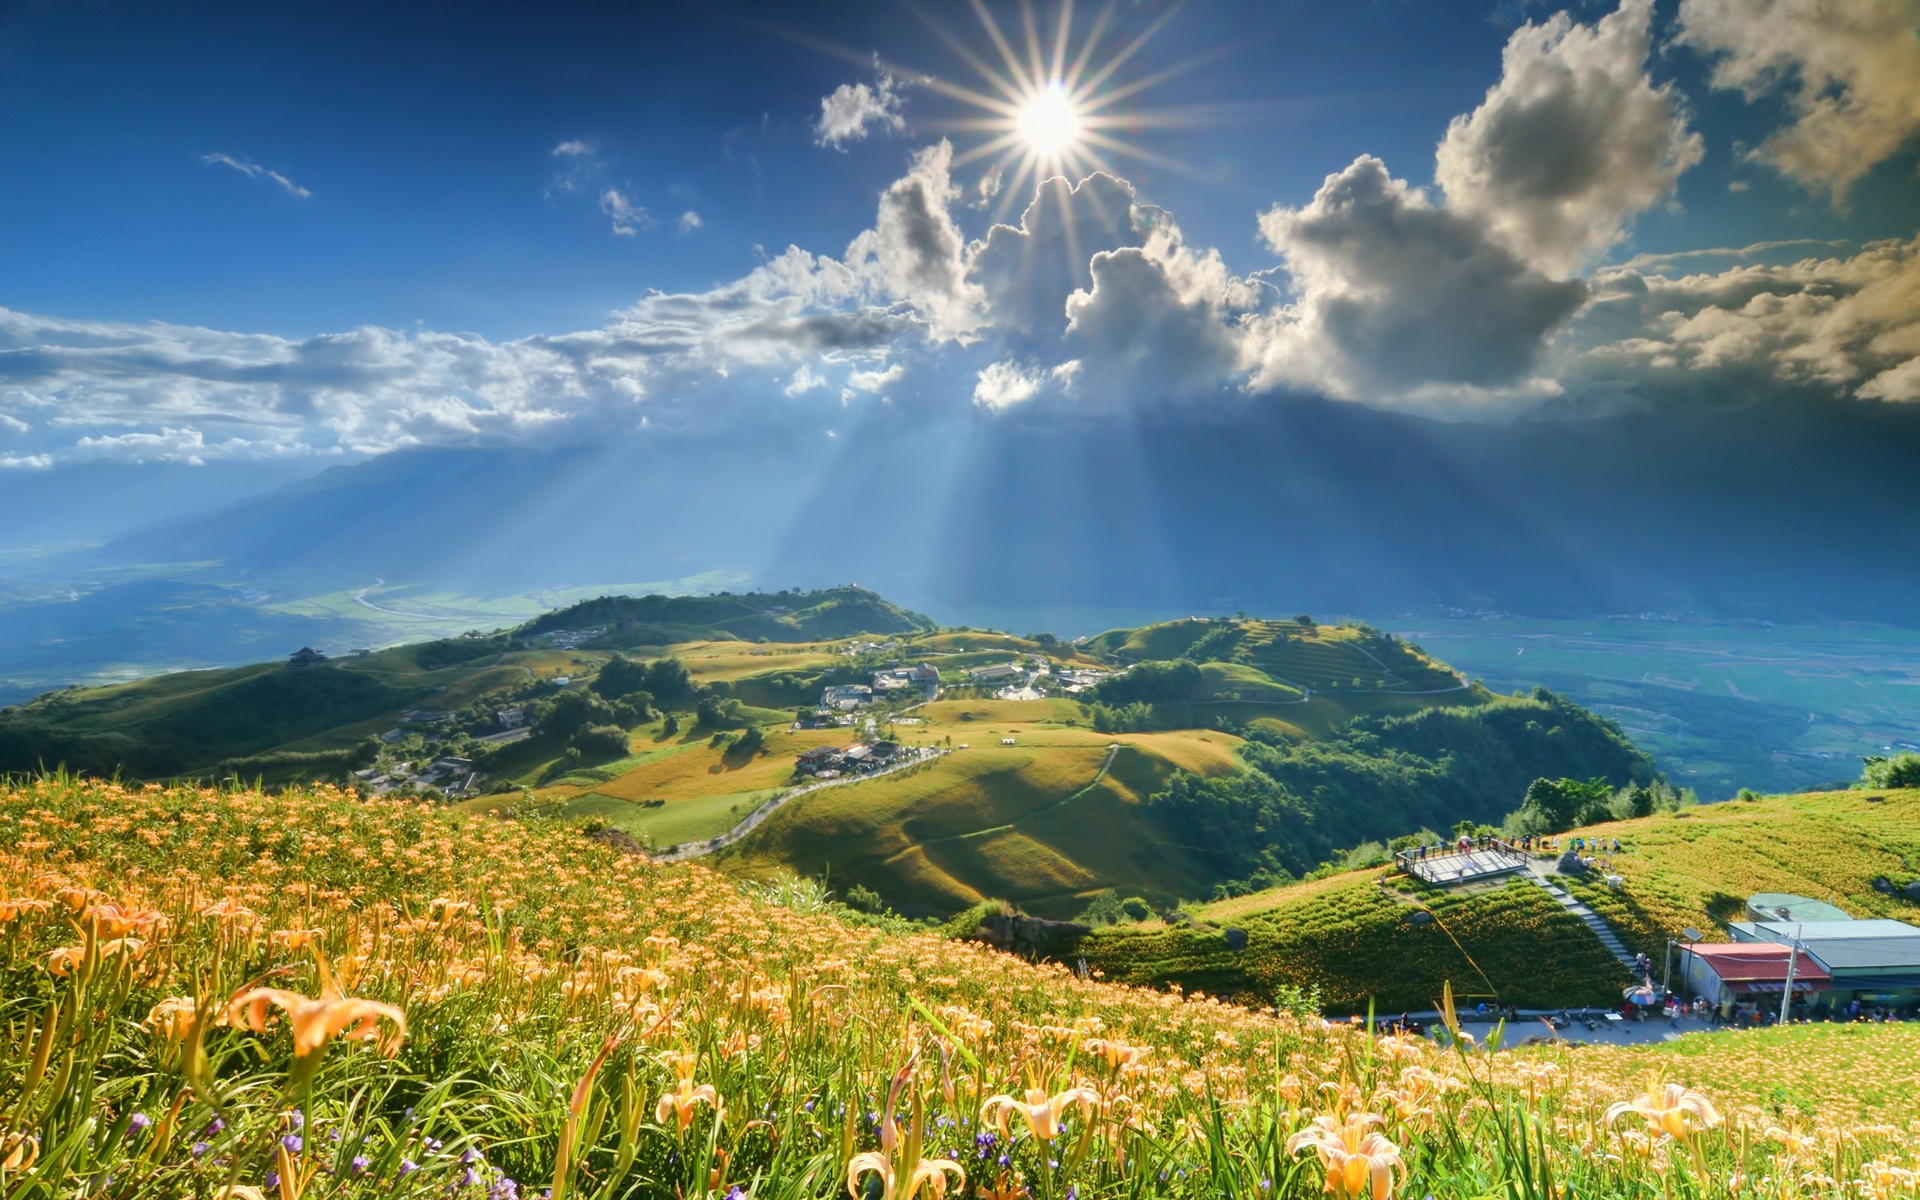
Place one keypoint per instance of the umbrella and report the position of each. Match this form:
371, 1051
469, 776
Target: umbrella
1641, 994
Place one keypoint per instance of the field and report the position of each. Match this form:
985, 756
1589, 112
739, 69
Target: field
306, 995
1354, 941
1045, 823
1698, 866
1720, 706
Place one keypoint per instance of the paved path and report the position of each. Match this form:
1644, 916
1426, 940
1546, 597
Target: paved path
688, 850
1540, 874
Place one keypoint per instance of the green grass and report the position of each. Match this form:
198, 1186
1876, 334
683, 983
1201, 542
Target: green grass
1507, 943
1036, 823
669, 824
1698, 866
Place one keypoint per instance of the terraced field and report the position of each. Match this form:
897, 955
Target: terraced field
1360, 942
1697, 867
1045, 823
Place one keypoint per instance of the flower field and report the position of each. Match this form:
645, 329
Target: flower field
239, 996
1697, 867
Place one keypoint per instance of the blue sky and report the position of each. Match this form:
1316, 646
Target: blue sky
267, 230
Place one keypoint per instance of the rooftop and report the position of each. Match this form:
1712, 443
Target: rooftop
1746, 962
1785, 906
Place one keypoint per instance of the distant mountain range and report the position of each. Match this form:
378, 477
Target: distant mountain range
1782, 513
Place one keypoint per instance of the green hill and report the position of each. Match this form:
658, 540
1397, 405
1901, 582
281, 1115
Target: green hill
777, 617
1356, 940
1353, 936
295, 724
1295, 774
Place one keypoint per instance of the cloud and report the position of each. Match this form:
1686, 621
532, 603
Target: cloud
1392, 293
1571, 144
253, 170
134, 392
628, 218
853, 108
875, 381
1026, 272
572, 148
915, 252
1848, 71
690, 221
1849, 324
1002, 385
1159, 323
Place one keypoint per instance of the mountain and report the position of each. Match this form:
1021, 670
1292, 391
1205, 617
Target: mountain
316, 718
1768, 510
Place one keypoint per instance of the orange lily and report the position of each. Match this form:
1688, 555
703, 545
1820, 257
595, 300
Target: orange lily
1360, 1161
1672, 1109
1043, 1112
899, 1159
317, 1020
681, 1100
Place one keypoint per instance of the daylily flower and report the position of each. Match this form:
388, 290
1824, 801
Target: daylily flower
171, 1018
1042, 1112
318, 1020
681, 1100
1360, 1161
1674, 1110
898, 1163
18, 1151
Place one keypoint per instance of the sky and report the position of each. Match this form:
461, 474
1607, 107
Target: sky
274, 233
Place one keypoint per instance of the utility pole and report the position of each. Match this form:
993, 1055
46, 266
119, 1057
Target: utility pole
1793, 960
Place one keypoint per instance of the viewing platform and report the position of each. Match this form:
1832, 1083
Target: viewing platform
1451, 864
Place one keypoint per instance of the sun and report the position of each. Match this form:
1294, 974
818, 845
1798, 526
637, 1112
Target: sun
1050, 122
1058, 102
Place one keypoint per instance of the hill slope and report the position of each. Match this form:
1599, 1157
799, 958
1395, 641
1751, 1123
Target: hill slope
534, 967
1693, 867
189, 722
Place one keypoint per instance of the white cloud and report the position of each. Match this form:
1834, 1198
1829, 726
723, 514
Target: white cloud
1003, 384
572, 148
1846, 323
26, 462
854, 108
1028, 271
804, 380
1394, 294
877, 380
915, 251
1571, 144
1849, 71
13, 424
690, 221
1160, 323
253, 170
628, 218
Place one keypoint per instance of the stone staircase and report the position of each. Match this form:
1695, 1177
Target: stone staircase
1591, 919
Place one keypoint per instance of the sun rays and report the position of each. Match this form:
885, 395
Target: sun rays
1051, 103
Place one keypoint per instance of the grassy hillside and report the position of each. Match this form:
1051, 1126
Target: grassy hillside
1046, 823
543, 1012
776, 617
1356, 941
189, 723
1697, 866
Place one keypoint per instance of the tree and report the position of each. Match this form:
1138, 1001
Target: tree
670, 727
571, 712
1562, 803
1640, 802
752, 741
1900, 771
599, 743
622, 676
669, 681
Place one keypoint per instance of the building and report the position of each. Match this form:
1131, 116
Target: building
1873, 961
994, 674
847, 696
1751, 973
511, 717
1784, 906
924, 674
305, 656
